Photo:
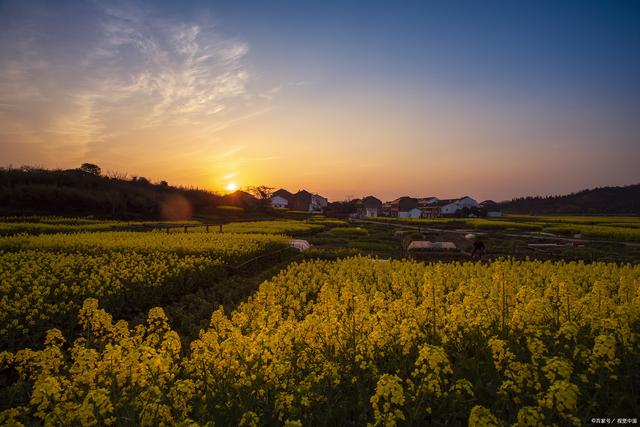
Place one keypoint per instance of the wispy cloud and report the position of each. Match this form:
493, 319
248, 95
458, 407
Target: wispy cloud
121, 72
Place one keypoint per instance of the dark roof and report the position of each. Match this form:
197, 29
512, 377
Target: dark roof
443, 202
371, 202
400, 199
489, 204
300, 200
303, 196
283, 193
406, 203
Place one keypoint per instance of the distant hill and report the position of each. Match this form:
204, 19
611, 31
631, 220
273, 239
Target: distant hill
603, 200
84, 191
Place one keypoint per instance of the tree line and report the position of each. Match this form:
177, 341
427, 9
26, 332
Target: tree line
86, 190
602, 200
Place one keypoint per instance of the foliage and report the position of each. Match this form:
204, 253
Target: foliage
329, 222
263, 194
342, 231
40, 290
597, 231
228, 247
91, 169
30, 190
605, 200
357, 342
623, 228
487, 224
8, 229
626, 221
52, 220
230, 208
273, 227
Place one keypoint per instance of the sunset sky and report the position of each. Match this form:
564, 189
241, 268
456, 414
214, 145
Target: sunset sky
490, 99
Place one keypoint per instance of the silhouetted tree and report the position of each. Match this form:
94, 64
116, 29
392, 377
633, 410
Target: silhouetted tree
262, 193
605, 200
90, 168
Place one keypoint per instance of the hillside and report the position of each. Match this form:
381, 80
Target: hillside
29, 190
603, 200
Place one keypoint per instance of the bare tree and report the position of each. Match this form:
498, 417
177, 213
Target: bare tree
262, 193
123, 176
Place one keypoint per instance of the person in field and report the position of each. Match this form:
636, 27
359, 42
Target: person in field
478, 249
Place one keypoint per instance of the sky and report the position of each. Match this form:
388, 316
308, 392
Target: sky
489, 99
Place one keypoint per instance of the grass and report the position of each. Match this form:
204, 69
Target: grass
342, 231
329, 222
226, 208
596, 231
488, 224
614, 228
71, 225
273, 227
574, 219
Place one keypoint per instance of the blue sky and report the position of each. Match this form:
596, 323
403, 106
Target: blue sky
492, 99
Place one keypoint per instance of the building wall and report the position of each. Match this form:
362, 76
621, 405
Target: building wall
371, 212
413, 213
468, 202
454, 207
450, 209
318, 203
430, 212
279, 202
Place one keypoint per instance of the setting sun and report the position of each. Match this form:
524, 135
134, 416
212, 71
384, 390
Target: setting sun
232, 186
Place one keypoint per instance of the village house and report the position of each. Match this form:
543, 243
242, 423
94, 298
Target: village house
280, 198
301, 201
454, 206
429, 207
369, 206
403, 207
491, 208
411, 213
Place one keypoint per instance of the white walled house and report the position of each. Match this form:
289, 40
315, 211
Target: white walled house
454, 206
428, 201
301, 201
371, 212
369, 206
468, 202
318, 203
450, 208
429, 206
412, 213
491, 208
279, 202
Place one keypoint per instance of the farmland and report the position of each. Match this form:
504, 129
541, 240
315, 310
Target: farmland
615, 228
194, 326
365, 341
382, 214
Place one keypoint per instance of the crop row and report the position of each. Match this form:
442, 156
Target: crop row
616, 231
228, 247
40, 289
356, 342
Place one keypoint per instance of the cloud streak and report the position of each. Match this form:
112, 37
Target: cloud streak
131, 73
